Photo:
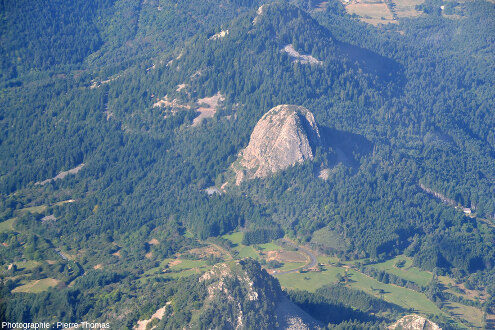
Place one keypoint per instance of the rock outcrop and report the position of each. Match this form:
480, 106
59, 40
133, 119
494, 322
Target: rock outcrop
414, 322
246, 294
285, 136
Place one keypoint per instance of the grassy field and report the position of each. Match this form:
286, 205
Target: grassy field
35, 209
7, 226
327, 260
186, 268
28, 265
186, 272
37, 285
188, 264
235, 238
176, 268
188, 234
158, 269
246, 252
309, 281
406, 298
243, 251
473, 315
394, 294
269, 247
407, 272
291, 266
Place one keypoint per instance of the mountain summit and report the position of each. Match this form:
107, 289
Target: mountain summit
284, 136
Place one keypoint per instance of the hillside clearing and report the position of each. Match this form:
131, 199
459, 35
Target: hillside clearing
7, 225
37, 285
407, 272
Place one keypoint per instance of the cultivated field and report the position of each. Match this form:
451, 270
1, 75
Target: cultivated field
381, 12
371, 12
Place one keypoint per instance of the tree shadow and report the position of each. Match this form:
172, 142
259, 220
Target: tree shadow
348, 148
372, 63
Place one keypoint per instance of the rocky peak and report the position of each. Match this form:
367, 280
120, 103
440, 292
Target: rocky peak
414, 322
285, 136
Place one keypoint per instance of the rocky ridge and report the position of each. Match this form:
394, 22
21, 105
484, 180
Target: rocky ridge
243, 287
285, 136
414, 322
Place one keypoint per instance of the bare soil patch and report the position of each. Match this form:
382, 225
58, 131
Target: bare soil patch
324, 174
99, 266
171, 106
301, 58
62, 175
165, 102
153, 241
157, 315
181, 87
97, 84
174, 262
208, 107
286, 256
219, 35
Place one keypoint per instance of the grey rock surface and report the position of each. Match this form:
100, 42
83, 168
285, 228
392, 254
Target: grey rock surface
285, 136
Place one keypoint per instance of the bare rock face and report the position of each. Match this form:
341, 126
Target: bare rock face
286, 135
414, 322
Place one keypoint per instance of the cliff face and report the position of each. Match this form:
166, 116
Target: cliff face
284, 136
